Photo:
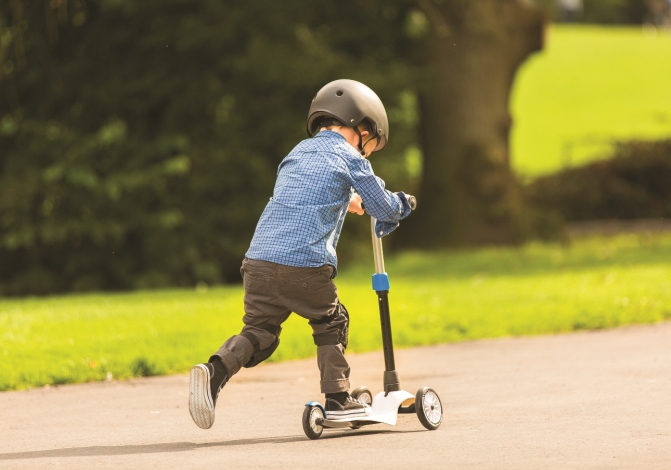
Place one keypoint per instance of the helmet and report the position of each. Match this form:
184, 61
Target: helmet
350, 102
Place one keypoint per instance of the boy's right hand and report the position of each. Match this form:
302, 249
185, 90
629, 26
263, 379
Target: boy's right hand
355, 205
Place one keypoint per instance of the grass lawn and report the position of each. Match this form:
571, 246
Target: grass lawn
435, 297
589, 86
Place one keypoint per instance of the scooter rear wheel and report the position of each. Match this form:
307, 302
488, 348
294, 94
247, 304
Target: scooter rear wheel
429, 409
363, 395
310, 426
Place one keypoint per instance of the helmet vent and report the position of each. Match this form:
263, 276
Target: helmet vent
339, 93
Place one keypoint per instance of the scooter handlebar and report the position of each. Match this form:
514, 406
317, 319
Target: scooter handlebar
412, 200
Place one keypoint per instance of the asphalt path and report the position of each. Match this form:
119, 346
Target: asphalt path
590, 400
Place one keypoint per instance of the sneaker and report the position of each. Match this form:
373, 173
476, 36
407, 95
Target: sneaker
207, 380
344, 406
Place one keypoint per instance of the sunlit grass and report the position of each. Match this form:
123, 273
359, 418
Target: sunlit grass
435, 297
591, 85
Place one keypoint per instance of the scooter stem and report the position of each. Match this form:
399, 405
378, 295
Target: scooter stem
392, 381
378, 256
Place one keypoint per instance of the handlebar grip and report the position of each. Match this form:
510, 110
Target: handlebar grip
412, 200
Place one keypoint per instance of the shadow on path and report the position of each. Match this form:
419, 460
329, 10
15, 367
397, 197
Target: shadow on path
172, 446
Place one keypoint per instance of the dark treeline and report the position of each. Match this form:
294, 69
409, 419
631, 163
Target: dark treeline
605, 11
139, 140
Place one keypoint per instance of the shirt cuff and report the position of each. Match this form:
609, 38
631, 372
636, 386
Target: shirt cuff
406, 205
384, 228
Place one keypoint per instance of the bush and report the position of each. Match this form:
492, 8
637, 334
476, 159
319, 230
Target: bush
139, 141
636, 183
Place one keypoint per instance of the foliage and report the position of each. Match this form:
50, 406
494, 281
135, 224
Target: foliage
633, 184
602, 11
140, 139
589, 87
435, 297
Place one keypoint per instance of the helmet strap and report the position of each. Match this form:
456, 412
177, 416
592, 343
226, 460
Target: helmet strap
358, 132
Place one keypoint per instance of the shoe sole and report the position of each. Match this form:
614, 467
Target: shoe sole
200, 398
347, 414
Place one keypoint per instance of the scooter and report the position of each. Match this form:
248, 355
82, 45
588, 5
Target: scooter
386, 405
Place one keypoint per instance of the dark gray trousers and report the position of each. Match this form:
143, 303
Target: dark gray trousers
272, 292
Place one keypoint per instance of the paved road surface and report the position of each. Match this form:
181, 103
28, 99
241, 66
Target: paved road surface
588, 400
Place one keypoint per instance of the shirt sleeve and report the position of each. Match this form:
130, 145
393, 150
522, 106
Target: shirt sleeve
387, 207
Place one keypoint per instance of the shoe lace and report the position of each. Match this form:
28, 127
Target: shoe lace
350, 398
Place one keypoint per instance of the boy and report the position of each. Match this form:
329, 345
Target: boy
291, 261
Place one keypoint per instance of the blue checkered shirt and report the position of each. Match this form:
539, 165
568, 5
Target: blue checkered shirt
301, 224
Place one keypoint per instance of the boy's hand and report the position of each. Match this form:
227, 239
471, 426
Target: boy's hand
355, 205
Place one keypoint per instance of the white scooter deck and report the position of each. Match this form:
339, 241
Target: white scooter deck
383, 409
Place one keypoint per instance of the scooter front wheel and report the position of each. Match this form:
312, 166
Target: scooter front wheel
428, 407
310, 416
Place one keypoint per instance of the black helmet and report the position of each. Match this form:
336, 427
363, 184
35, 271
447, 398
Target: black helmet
349, 102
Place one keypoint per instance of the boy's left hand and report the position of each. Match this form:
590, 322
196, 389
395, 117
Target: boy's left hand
355, 205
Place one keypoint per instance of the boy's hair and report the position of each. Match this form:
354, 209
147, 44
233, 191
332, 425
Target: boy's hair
329, 123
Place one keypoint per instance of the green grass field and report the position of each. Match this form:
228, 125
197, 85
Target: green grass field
435, 297
591, 85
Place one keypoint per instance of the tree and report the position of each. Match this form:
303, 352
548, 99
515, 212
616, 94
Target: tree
469, 54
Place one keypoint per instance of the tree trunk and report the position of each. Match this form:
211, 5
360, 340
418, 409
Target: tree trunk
469, 193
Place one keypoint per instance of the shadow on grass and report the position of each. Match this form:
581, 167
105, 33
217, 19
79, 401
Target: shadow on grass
96, 451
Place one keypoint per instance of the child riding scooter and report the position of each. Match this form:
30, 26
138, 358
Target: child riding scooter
291, 262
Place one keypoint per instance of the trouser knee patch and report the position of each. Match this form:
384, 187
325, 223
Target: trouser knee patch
344, 333
340, 322
260, 355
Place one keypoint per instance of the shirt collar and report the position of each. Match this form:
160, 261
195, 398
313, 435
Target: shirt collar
329, 134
